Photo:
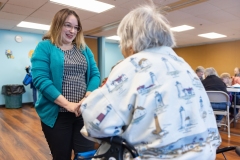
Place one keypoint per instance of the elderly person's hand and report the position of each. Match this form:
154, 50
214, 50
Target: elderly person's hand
74, 108
69, 106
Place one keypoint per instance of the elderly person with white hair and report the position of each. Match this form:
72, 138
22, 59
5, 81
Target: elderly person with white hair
153, 98
213, 83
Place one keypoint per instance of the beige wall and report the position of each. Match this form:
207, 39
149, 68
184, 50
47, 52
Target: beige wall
92, 44
224, 57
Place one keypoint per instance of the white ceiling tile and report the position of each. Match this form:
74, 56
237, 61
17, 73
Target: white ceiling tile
3, 1
191, 21
9, 22
210, 27
115, 2
88, 25
164, 2
132, 4
179, 36
51, 7
225, 31
28, 3
135, 3
117, 13
120, 2
83, 14
224, 3
177, 15
54, 8
234, 10
103, 19
38, 20
11, 16
17, 9
183, 37
231, 25
6, 26
126, 2
219, 16
231, 33
201, 8
218, 40
192, 32
29, 30
221, 29
43, 14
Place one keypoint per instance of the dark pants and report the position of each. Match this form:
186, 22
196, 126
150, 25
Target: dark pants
65, 136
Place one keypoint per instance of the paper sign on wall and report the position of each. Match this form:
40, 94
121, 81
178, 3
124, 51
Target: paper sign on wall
8, 53
30, 53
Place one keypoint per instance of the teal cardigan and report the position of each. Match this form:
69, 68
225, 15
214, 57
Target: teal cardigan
47, 73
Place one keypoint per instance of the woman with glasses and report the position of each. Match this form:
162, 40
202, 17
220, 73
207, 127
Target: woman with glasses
65, 73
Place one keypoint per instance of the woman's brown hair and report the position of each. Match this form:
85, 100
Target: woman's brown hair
54, 33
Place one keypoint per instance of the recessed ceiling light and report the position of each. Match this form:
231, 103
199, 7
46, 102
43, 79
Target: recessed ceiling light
89, 5
113, 38
182, 28
33, 25
212, 35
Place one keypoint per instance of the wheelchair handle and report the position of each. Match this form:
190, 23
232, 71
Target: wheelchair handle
229, 148
120, 140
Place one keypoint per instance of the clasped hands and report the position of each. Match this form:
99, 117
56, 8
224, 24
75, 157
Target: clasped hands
75, 107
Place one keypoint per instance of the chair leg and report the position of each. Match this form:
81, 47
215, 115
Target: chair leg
228, 125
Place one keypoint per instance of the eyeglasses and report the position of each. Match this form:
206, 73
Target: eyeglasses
68, 26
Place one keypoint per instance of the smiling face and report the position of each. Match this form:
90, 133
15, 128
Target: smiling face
69, 30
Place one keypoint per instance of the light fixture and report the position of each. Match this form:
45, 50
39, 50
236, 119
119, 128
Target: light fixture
182, 28
113, 38
89, 5
212, 35
34, 25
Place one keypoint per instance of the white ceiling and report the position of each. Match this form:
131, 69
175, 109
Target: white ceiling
221, 16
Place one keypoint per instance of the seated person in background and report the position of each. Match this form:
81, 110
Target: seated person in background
228, 81
226, 78
200, 72
150, 98
236, 77
213, 83
235, 80
236, 72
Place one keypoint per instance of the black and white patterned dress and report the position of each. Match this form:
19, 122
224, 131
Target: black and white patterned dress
74, 79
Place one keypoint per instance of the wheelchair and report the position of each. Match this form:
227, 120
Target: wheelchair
229, 148
118, 145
